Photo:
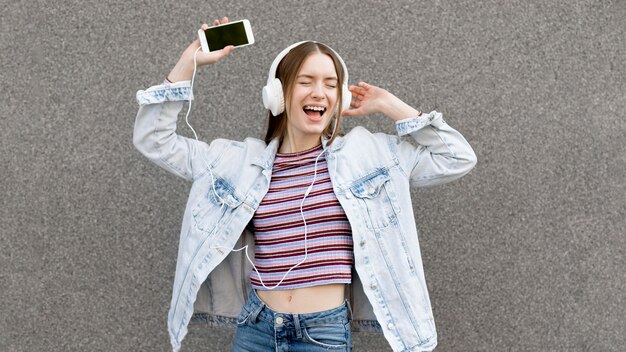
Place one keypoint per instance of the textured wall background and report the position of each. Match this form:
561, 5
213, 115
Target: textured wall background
526, 253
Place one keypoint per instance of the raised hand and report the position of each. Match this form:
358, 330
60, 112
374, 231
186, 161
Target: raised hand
184, 67
366, 99
215, 56
369, 99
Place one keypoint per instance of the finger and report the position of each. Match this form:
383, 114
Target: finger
204, 26
216, 23
352, 112
224, 20
220, 54
364, 86
357, 95
227, 50
347, 113
357, 90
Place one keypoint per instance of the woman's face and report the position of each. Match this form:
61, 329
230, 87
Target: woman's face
313, 98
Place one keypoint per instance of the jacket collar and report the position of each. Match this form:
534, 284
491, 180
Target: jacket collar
337, 143
266, 159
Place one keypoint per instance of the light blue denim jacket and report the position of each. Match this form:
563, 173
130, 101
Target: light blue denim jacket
371, 175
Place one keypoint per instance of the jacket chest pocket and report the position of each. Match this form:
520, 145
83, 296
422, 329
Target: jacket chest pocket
216, 204
376, 200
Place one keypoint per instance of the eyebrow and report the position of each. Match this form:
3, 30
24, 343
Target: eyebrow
325, 79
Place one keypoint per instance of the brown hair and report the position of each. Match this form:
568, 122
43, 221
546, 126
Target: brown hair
286, 72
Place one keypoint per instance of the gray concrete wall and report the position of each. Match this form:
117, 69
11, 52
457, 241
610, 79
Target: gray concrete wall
526, 253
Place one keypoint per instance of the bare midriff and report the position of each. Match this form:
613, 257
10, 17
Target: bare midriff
304, 300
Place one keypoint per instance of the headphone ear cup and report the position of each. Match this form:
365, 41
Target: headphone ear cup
273, 98
346, 98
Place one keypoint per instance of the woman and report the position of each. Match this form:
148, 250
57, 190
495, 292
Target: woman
315, 206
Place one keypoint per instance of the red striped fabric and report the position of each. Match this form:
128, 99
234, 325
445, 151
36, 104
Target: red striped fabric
279, 227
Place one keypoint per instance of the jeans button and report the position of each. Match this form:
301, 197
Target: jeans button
279, 320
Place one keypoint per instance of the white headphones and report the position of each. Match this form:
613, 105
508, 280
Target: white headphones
273, 97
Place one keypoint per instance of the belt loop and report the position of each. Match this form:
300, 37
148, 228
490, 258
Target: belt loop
255, 312
296, 322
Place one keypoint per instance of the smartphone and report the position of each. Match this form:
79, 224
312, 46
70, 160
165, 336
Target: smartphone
238, 33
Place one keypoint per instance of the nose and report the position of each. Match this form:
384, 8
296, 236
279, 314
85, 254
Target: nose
317, 90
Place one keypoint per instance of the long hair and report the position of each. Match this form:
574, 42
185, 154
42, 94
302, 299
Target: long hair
287, 72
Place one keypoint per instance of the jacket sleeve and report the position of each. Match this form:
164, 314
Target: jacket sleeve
442, 154
155, 131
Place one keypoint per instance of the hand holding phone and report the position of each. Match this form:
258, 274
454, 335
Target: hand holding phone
238, 33
183, 71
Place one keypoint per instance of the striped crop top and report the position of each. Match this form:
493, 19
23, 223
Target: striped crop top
279, 228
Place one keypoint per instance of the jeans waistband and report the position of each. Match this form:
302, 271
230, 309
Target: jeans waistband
259, 310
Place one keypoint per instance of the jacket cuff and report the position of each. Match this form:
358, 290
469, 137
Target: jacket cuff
416, 123
165, 92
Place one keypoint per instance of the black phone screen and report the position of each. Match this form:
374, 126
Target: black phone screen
229, 34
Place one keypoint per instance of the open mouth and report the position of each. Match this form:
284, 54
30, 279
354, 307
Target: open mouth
315, 112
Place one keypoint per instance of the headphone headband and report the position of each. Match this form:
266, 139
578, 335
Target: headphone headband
282, 54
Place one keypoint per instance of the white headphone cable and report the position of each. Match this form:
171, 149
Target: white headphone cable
222, 202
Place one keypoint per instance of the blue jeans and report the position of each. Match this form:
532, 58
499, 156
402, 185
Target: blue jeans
260, 329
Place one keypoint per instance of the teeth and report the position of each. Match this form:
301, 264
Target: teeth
316, 108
